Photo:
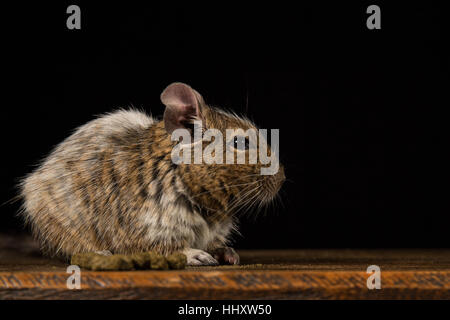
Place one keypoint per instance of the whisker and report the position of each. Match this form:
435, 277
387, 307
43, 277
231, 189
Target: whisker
241, 200
228, 186
251, 201
237, 202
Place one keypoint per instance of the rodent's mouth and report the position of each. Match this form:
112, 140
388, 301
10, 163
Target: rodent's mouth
268, 195
272, 184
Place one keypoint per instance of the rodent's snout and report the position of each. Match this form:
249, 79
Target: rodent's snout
274, 182
280, 177
280, 174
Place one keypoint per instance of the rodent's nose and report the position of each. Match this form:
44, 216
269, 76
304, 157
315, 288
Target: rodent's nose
280, 174
279, 178
274, 182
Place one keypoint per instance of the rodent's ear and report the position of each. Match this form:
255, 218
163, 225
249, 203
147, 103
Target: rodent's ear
182, 106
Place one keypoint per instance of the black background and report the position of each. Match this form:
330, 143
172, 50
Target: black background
362, 113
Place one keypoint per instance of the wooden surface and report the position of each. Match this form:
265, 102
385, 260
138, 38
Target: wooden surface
267, 274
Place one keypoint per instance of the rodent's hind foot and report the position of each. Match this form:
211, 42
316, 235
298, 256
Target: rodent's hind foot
226, 255
196, 257
104, 252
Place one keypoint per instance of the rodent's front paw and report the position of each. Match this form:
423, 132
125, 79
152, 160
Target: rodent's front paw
226, 255
196, 257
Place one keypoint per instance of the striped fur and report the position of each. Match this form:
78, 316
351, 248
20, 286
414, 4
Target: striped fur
112, 186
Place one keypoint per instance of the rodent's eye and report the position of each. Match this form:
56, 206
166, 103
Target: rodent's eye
241, 143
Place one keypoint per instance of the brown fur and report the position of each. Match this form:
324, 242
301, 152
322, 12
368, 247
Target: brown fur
112, 186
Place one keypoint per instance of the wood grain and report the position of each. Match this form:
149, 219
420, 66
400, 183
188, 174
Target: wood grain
264, 274
226, 285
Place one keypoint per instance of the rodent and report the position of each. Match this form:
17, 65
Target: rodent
112, 187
